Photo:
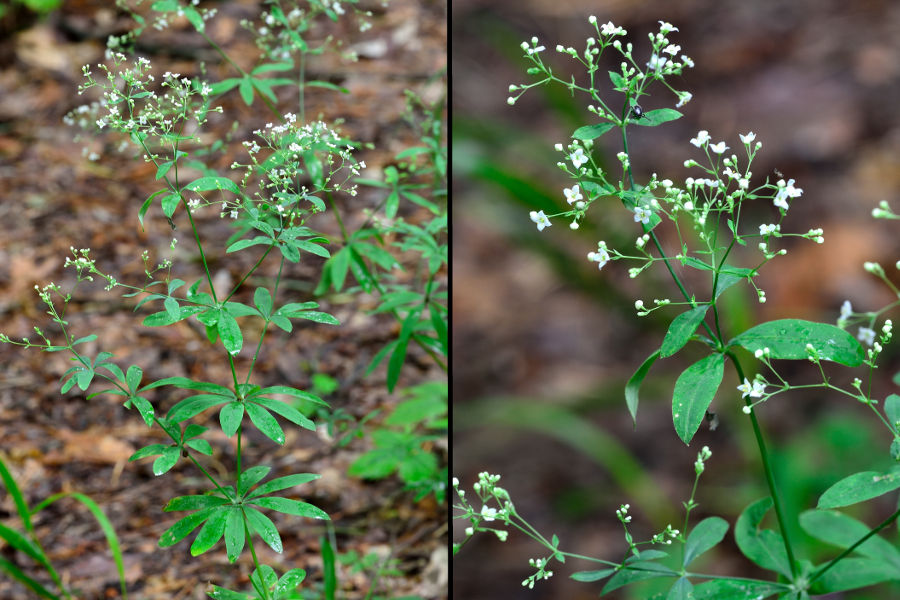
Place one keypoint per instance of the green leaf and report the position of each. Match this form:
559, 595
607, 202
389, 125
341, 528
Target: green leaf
241, 244
265, 422
285, 410
639, 571
833, 527
246, 90
282, 483
762, 546
205, 184
166, 460
682, 328
230, 417
618, 81
232, 338
736, 589
852, 573
169, 203
682, 589
194, 405
194, 18
588, 576
263, 301
268, 67
251, 477
725, 281
860, 487
318, 317
327, 85
694, 391
212, 531
290, 391
195, 502
234, 534
787, 339
705, 535
591, 132
172, 308
264, 527
634, 385
652, 118
151, 450
892, 410
291, 507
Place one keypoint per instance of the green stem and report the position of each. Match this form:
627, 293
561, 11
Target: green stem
770, 475
855, 545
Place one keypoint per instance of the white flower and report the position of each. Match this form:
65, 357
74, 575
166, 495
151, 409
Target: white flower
665, 27
846, 309
683, 98
754, 390
768, 229
601, 257
611, 29
656, 62
573, 194
701, 139
687, 61
536, 49
747, 138
489, 514
642, 214
577, 157
718, 148
785, 191
672, 49
866, 335
541, 219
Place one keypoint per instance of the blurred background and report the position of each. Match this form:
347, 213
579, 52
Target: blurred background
544, 343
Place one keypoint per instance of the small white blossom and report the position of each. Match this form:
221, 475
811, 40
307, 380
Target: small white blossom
701, 139
718, 148
754, 390
642, 214
846, 310
785, 191
572, 194
540, 219
578, 157
747, 138
866, 335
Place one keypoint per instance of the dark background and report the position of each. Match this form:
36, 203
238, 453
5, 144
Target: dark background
543, 343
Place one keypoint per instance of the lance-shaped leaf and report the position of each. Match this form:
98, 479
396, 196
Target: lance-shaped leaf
652, 118
705, 535
694, 391
682, 328
291, 507
787, 339
634, 385
860, 487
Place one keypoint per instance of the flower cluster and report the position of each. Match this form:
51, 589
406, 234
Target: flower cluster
292, 150
280, 31
132, 103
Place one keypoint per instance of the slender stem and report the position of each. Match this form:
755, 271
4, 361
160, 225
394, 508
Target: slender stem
770, 475
264, 592
855, 545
